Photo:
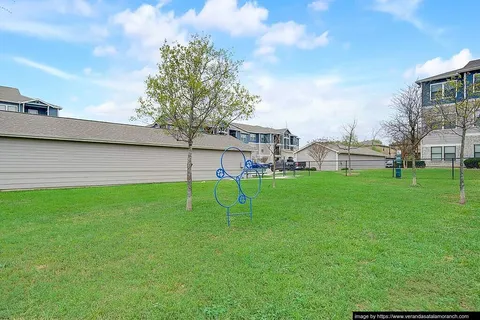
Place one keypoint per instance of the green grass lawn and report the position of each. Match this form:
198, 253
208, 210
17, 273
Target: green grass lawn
318, 247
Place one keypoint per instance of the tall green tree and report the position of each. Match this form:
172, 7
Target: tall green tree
196, 86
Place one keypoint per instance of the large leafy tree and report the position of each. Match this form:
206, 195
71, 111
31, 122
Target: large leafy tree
196, 87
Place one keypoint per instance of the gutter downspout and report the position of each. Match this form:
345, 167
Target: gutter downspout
336, 161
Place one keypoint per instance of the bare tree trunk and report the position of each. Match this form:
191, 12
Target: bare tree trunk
462, 176
189, 177
274, 169
414, 170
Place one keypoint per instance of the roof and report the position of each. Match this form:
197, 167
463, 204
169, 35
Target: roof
23, 125
10, 94
340, 149
470, 66
257, 129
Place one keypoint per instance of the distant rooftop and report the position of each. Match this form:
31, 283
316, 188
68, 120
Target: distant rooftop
10, 94
471, 66
23, 125
258, 129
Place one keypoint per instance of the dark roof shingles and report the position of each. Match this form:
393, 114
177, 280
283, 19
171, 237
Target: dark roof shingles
470, 66
14, 124
12, 95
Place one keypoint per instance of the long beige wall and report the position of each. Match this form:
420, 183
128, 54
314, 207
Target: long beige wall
329, 163
360, 162
34, 163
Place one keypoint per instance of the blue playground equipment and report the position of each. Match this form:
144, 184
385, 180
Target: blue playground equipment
242, 197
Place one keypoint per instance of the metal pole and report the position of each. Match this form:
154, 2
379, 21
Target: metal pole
346, 167
284, 166
453, 168
393, 169
309, 169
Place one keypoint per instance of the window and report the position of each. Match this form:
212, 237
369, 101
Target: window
265, 138
436, 153
436, 91
253, 137
450, 89
244, 137
476, 82
12, 108
477, 119
32, 111
443, 90
476, 151
3, 107
449, 153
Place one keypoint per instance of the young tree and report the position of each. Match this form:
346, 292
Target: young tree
196, 85
459, 111
409, 123
263, 159
318, 150
272, 147
349, 141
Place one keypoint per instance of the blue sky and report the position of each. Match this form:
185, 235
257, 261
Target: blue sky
317, 64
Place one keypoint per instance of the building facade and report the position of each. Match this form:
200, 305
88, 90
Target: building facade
337, 158
262, 141
11, 100
443, 144
65, 152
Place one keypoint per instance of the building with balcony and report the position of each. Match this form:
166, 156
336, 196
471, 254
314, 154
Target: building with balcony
262, 139
443, 144
11, 100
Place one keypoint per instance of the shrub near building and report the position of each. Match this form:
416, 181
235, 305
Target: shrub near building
472, 163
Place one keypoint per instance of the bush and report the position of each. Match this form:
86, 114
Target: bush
311, 169
472, 163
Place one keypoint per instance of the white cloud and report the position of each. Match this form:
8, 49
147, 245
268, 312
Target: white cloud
289, 34
87, 71
126, 81
438, 65
293, 34
225, 15
118, 109
317, 105
103, 51
247, 65
45, 68
320, 5
401, 9
147, 28
406, 10
46, 20
82, 7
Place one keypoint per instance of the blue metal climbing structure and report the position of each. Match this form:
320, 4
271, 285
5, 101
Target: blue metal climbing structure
242, 197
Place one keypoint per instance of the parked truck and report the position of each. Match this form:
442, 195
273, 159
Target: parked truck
289, 164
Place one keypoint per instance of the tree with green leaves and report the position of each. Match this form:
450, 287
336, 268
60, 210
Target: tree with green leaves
196, 86
459, 108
